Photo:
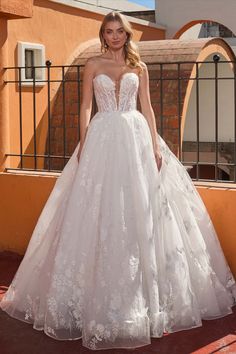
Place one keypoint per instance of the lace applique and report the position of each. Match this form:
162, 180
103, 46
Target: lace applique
65, 305
105, 92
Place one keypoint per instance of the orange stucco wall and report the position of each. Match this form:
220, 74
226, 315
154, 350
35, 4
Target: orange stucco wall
63, 30
23, 197
220, 203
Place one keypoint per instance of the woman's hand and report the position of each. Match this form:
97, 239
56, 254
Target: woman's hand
158, 158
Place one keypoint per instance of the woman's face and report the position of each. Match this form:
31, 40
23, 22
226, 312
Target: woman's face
114, 35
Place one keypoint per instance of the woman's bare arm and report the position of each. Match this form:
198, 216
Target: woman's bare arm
87, 98
147, 111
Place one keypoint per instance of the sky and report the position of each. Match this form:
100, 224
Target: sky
147, 3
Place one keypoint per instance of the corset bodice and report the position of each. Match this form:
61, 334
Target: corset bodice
105, 92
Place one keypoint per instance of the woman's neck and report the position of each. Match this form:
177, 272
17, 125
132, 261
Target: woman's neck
116, 55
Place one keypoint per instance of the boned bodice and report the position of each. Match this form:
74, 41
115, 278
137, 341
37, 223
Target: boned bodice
105, 92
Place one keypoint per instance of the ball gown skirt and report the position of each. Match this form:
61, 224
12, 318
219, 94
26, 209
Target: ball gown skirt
121, 252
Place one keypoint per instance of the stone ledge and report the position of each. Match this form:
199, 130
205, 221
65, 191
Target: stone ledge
199, 184
31, 173
215, 185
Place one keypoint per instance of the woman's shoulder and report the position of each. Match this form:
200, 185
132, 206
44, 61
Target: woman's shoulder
143, 65
94, 62
91, 61
143, 69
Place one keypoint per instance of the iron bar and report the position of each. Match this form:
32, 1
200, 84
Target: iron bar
176, 75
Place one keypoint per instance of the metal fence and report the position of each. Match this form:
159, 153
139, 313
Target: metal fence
198, 92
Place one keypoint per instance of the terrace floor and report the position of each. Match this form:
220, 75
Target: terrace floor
16, 337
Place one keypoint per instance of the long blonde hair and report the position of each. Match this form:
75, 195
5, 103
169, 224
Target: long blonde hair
132, 57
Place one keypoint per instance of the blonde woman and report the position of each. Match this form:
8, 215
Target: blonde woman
124, 249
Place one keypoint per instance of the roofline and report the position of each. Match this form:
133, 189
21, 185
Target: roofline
104, 11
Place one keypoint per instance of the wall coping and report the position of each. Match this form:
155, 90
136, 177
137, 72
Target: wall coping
101, 11
215, 185
198, 184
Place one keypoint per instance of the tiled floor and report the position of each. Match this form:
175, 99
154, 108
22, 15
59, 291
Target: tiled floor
16, 337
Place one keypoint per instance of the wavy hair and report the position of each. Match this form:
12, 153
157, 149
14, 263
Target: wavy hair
132, 57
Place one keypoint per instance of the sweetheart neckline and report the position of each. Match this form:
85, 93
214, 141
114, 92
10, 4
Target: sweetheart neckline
114, 82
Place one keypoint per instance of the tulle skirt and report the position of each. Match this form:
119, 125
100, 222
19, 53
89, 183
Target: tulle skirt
121, 252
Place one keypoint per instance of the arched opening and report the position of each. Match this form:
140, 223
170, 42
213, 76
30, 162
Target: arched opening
204, 29
209, 116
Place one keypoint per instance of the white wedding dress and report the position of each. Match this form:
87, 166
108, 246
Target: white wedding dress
121, 252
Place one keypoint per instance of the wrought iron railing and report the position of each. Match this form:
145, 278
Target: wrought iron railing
170, 84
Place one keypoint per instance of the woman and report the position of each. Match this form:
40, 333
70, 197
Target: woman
124, 249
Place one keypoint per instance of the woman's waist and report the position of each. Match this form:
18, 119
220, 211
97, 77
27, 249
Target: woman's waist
118, 115
114, 112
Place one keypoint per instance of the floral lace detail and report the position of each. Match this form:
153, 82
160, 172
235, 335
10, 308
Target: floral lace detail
105, 92
100, 333
65, 300
29, 309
